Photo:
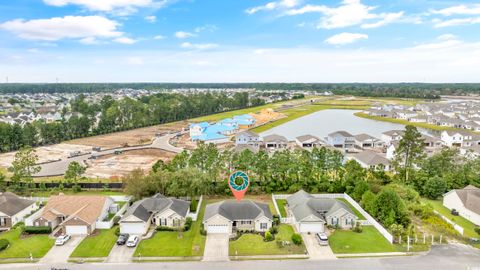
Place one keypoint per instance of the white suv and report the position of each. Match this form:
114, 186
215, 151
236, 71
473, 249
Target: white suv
62, 239
322, 239
132, 241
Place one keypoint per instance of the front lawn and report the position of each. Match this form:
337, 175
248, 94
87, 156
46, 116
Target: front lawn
467, 226
172, 244
253, 244
369, 241
96, 245
22, 246
281, 203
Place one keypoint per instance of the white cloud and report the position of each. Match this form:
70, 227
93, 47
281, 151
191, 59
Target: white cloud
198, 46
349, 13
206, 28
158, 37
459, 10
455, 22
33, 50
151, 19
68, 27
120, 7
89, 41
273, 5
445, 41
183, 34
447, 37
345, 38
125, 40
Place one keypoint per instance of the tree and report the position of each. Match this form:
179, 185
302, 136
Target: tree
2, 182
74, 171
389, 208
409, 153
434, 187
24, 165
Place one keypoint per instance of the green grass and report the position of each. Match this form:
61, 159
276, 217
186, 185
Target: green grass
21, 247
355, 211
282, 203
97, 245
253, 244
369, 241
405, 122
172, 244
467, 226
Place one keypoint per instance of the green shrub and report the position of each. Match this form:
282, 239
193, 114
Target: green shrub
165, 229
76, 188
274, 230
193, 205
117, 231
296, 239
477, 230
4, 244
357, 228
37, 230
19, 224
188, 224
276, 220
268, 237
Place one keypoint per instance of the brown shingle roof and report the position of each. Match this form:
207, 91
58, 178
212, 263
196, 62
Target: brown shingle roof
86, 208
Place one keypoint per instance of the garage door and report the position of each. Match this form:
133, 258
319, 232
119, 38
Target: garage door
311, 227
76, 230
218, 228
132, 228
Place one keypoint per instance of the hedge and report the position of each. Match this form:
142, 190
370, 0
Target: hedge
37, 230
4, 244
164, 228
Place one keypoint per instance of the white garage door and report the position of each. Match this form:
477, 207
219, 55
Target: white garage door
76, 230
218, 228
132, 228
311, 227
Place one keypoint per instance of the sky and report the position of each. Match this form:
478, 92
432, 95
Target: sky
239, 41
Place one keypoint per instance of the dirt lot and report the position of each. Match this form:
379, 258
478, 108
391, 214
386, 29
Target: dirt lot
113, 166
130, 137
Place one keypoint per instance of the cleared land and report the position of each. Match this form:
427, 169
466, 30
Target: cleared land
368, 241
96, 245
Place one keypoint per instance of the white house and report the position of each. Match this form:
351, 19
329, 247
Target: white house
392, 135
13, 209
456, 138
466, 201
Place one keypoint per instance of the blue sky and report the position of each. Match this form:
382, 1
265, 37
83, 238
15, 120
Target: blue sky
239, 41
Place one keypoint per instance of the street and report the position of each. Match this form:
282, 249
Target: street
454, 257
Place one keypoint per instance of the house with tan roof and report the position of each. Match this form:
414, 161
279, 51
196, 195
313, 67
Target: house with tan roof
72, 214
465, 201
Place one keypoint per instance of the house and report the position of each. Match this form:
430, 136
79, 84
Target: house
340, 139
404, 114
363, 141
455, 138
248, 138
465, 201
308, 141
230, 215
275, 141
392, 135
369, 159
245, 121
430, 141
73, 214
157, 210
311, 214
13, 209
197, 129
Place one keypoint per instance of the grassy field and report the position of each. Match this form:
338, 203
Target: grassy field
464, 223
253, 244
355, 211
369, 241
172, 244
97, 245
281, 203
37, 245
405, 122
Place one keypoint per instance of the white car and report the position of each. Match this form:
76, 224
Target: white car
132, 241
322, 239
62, 239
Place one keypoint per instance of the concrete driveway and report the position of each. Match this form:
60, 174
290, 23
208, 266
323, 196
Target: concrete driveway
216, 247
315, 251
60, 254
121, 254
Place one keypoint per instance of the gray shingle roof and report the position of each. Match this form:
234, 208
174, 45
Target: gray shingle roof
341, 132
371, 158
275, 138
144, 208
233, 210
11, 204
470, 197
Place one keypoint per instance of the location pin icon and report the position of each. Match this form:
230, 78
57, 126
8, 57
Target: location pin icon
239, 190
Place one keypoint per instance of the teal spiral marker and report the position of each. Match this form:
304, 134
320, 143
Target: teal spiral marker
239, 190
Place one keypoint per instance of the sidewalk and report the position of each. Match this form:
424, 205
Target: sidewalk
381, 254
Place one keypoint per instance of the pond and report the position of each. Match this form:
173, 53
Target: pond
324, 122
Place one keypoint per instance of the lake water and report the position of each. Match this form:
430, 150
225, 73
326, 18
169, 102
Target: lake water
324, 122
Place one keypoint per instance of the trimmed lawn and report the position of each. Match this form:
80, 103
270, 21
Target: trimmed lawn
467, 226
38, 245
253, 244
281, 203
369, 241
97, 245
355, 211
175, 244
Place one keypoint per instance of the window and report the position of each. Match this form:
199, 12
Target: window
263, 226
243, 222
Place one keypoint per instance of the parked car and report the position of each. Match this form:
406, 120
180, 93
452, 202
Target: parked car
62, 239
122, 239
132, 241
322, 239
454, 212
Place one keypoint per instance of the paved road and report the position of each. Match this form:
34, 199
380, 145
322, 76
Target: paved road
451, 257
216, 247
60, 254
60, 167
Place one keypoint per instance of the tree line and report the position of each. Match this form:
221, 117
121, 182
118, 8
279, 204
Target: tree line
111, 115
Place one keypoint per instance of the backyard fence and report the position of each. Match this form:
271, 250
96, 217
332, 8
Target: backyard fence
194, 215
457, 227
109, 224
